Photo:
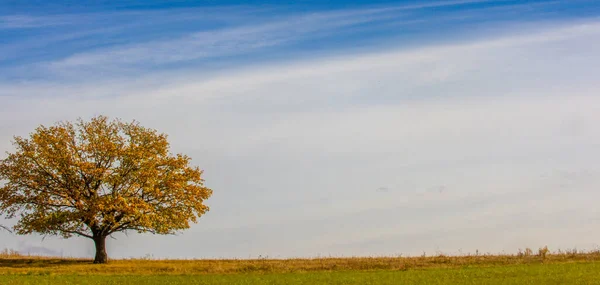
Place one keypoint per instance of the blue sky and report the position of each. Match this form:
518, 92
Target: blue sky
50, 39
332, 127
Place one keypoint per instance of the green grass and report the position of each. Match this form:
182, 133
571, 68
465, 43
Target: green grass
558, 273
563, 267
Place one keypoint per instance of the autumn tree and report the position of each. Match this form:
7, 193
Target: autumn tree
99, 177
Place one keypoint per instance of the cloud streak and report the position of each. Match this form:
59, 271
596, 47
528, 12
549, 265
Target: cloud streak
279, 31
28, 22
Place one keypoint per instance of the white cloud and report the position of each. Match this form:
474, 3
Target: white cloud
28, 21
241, 39
296, 151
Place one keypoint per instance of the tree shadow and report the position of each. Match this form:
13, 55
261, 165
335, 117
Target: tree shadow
40, 263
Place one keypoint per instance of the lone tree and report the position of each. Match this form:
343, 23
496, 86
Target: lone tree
96, 178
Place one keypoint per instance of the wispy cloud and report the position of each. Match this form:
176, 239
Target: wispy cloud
245, 39
213, 37
223, 42
27, 21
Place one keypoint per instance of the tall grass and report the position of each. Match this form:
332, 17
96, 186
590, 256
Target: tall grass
12, 262
10, 253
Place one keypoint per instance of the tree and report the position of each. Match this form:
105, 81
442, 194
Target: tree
99, 177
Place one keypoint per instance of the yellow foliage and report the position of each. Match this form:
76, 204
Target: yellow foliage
99, 177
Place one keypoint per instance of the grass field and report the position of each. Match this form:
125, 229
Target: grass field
524, 268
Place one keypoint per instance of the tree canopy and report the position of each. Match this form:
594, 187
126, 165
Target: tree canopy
98, 177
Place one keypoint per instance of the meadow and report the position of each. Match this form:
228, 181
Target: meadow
526, 267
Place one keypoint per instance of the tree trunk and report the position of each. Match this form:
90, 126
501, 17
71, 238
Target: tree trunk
101, 256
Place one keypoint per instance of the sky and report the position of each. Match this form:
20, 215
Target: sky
331, 128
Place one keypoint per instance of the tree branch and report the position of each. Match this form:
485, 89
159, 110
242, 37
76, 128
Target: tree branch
6, 228
79, 233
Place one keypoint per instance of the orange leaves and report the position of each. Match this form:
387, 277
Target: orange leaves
99, 177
